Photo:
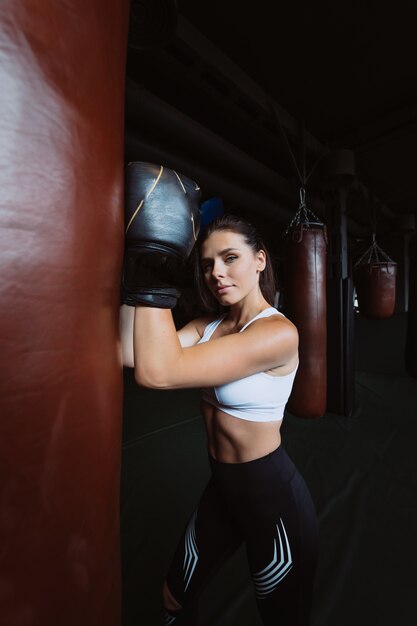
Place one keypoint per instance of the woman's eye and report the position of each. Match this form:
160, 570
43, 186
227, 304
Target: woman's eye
231, 258
205, 268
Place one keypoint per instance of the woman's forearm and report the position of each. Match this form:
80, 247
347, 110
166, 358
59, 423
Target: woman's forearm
156, 346
126, 321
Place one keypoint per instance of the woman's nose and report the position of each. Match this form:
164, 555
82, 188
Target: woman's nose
218, 270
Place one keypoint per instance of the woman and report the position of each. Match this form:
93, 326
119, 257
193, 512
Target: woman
245, 361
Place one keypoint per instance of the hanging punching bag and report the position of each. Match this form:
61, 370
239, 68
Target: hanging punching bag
375, 288
61, 241
375, 282
411, 337
306, 307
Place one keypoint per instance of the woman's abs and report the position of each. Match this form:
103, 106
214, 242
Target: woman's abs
233, 440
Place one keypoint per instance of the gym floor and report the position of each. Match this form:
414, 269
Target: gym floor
361, 470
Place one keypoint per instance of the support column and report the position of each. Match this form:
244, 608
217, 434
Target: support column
338, 172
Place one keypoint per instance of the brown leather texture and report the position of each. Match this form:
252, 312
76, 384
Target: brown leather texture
306, 306
411, 336
62, 79
375, 288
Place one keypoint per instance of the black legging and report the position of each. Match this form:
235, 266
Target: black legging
265, 503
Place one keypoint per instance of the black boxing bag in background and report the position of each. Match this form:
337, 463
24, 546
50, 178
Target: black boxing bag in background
61, 242
411, 337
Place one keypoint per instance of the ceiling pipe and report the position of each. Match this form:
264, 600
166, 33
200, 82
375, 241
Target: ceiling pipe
145, 110
138, 148
212, 56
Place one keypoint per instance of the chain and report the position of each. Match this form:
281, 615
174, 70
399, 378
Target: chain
303, 214
373, 254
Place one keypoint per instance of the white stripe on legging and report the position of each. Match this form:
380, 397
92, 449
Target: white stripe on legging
191, 551
266, 580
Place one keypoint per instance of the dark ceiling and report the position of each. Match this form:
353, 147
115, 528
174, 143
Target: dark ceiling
344, 71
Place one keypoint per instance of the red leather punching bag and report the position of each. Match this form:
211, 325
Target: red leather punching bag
61, 238
375, 287
375, 275
411, 337
305, 297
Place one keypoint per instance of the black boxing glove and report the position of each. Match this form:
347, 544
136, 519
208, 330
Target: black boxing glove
162, 211
149, 279
162, 223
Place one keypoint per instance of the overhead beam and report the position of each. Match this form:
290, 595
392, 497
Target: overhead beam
386, 128
249, 197
223, 65
147, 110
139, 147
211, 56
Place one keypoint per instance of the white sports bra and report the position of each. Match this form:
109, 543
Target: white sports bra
260, 397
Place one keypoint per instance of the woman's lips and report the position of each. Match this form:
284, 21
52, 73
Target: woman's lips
223, 289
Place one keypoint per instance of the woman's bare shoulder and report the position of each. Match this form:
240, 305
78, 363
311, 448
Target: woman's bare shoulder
273, 323
276, 328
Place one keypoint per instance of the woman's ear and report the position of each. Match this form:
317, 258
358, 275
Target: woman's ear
261, 260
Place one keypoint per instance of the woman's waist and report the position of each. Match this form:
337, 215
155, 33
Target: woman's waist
233, 440
266, 474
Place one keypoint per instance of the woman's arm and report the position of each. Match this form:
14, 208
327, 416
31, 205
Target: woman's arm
188, 335
126, 323
192, 332
162, 363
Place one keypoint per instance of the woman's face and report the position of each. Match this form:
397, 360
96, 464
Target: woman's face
230, 267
